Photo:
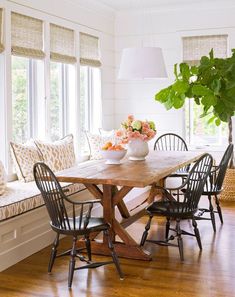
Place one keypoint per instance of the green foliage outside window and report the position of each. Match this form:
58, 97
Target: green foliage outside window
55, 75
19, 99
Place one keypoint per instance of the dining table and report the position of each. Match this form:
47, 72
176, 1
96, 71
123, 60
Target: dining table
111, 183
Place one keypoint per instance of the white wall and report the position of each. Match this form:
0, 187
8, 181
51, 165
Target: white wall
163, 28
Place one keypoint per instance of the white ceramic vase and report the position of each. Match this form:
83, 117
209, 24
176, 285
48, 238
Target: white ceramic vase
137, 149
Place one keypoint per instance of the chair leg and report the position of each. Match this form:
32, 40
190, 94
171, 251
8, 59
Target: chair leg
72, 262
88, 246
179, 239
219, 209
212, 213
113, 254
145, 234
167, 228
53, 252
197, 233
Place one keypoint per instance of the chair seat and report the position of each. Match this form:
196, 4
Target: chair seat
95, 224
171, 209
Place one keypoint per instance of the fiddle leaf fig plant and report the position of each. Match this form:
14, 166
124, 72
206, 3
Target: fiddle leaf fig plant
210, 84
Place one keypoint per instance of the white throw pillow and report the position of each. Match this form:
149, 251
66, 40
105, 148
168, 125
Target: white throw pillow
107, 133
57, 155
96, 141
3, 179
24, 157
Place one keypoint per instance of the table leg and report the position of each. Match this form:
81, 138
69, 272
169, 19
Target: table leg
128, 248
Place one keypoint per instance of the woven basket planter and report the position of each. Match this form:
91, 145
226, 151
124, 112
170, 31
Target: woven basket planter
228, 193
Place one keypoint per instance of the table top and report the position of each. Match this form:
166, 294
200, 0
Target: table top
158, 164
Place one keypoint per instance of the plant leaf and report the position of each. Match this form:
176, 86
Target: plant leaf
209, 100
168, 104
211, 120
162, 96
194, 70
175, 71
178, 102
217, 122
211, 54
185, 72
180, 86
215, 86
200, 90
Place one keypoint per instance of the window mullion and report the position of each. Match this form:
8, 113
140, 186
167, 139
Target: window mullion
90, 99
61, 96
191, 121
65, 99
32, 98
29, 98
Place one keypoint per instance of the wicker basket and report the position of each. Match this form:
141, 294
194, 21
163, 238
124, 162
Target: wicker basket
228, 194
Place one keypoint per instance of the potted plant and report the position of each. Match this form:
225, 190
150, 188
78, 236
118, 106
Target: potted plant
210, 84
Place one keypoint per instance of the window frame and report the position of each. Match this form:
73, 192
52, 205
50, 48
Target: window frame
89, 121
31, 96
64, 101
188, 131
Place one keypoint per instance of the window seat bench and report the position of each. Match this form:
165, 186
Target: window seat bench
24, 222
21, 197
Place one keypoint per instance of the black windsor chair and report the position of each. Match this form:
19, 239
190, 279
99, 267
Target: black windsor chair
66, 222
214, 187
183, 204
172, 142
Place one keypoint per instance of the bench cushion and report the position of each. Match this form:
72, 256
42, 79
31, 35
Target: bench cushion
3, 178
20, 197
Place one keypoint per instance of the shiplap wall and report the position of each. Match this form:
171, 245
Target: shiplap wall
164, 28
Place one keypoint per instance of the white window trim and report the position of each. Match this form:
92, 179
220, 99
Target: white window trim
188, 134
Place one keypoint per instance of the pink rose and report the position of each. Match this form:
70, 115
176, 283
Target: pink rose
130, 118
145, 125
119, 133
136, 134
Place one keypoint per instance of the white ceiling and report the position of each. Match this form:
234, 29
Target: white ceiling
119, 5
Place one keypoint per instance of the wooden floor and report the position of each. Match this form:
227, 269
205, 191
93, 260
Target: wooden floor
210, 273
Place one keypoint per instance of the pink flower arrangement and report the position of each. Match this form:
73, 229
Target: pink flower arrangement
136, 129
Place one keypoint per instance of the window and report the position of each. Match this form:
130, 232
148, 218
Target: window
27, 49
90, 101
61, 90
90, 86
62, 80
24, 98
198, 131
26, 111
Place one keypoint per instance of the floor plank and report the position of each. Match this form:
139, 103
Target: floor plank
210, 273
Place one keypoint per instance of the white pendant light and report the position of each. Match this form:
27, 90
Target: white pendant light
142, 62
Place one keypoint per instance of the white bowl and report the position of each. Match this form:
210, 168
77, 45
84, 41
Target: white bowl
113, 157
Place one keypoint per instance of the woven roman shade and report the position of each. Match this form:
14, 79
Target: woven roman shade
1, 31
197, 46
89, 50
26, 36
62, 44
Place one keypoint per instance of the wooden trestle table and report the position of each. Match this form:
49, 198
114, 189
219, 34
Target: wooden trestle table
111, 183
